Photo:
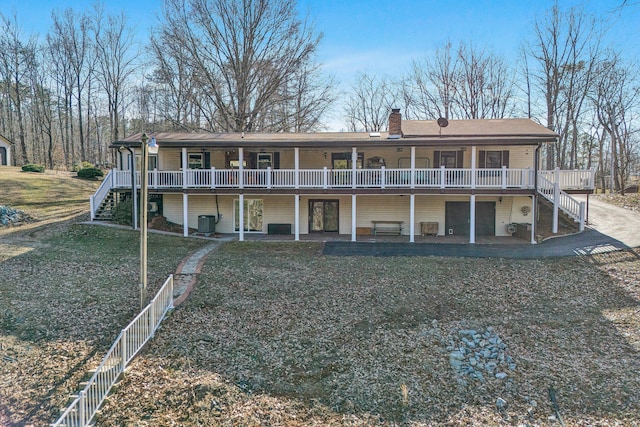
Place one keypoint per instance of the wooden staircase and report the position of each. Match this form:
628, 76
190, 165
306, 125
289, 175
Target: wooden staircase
111, 200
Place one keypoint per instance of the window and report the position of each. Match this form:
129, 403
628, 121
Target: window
235, 164
195, 161
265, 160
153, 162
343, 160
493, 159
448, 159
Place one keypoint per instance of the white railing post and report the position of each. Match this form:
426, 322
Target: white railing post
556, 201
582, 215
442, 177
82, 408
383, 179
268, 183
123, 350
213, 177
325, 178
504, 177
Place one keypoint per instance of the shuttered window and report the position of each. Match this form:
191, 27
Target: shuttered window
493, 159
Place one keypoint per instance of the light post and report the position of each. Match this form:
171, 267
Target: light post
151, 147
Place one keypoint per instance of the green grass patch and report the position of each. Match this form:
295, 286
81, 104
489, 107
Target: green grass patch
45, 195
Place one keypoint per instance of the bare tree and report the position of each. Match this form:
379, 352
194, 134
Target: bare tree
71, 33
114, 42
483, 85
429, 89
563, 55
17, 58
466, 84
302, 102
240, 53
616, 97
369, 102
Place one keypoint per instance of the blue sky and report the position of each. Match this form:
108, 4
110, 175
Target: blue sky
383, 36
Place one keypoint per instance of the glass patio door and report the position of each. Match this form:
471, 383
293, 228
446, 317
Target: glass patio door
253, 211
323, 215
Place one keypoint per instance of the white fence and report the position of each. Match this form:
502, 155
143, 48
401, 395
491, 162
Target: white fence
127, 345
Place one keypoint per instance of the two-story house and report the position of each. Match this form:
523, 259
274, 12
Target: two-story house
459, 177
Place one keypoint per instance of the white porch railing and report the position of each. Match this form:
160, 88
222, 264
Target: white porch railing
126, 346
571, 179
325, 178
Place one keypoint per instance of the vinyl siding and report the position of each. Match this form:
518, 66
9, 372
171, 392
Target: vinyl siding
280, 209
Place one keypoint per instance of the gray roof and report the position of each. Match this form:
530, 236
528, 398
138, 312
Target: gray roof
415, 132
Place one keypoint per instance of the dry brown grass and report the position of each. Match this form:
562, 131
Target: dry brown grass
276, 334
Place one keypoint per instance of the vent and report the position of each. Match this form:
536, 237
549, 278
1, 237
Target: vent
374, 135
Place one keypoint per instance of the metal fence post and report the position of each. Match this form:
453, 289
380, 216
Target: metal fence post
123, 350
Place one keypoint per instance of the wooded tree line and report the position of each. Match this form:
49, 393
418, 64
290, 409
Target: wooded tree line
250, 66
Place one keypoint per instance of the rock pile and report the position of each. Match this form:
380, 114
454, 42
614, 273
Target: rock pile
11, 216
479, 354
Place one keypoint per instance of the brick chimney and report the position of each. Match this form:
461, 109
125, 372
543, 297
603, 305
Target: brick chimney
395, 122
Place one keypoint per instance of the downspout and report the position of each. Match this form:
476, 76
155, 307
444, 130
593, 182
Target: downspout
536, 165
536, 161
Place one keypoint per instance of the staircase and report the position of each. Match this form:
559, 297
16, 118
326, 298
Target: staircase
104, 212
564, 203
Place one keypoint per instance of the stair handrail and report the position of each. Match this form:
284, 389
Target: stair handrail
98, 197
572, 207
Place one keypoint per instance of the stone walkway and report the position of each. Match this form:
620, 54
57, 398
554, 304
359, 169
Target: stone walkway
187, 272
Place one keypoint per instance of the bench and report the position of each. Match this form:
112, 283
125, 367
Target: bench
393, 228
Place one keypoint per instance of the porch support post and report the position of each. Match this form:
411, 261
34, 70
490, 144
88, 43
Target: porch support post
241, 167
533, 220
473, 166
241, 219
297, 217
583, 210
472, 219
413, 166
354, 166
296, 165
354, 212
556, 200
185, 214
185, 166
412, 218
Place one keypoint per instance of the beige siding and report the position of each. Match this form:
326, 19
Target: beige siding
519, 157
280, 209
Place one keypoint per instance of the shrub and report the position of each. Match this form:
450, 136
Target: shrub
90, 173
33, 168
122, 212
84, 165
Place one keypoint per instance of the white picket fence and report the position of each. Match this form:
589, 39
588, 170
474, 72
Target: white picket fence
126, 346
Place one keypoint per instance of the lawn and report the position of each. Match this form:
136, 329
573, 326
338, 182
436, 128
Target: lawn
277, 334
45, 196
66, 291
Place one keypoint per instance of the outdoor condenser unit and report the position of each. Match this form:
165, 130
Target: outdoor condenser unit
206, 224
